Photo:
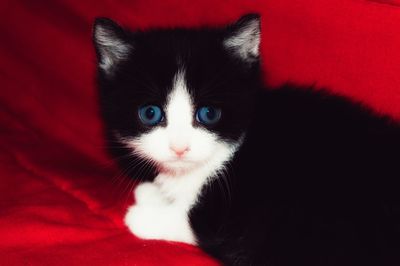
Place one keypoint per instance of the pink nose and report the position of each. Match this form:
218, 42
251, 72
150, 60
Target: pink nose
179, 151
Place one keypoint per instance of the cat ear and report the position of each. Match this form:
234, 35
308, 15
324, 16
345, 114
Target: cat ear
243, 38
111, 44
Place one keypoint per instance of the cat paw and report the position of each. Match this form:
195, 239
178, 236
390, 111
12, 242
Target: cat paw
140, 221
160, 223
148, 194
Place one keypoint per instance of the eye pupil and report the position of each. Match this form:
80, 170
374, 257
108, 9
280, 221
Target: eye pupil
150, 113
210, 113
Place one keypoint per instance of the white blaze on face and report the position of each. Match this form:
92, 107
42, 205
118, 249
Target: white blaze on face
179, 112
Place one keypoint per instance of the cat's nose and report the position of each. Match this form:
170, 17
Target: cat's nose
179, 150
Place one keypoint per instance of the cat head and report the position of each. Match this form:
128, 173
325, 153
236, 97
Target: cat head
177, 99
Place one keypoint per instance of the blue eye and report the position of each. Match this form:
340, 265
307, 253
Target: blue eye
208, 115
150, 115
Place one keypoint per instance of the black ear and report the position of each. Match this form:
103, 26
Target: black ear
243, 38
111, 42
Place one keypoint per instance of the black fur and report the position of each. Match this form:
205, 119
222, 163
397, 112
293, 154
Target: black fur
316, 179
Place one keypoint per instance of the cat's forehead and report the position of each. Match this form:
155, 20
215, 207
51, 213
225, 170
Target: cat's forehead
177, 40
172, 50
158, 57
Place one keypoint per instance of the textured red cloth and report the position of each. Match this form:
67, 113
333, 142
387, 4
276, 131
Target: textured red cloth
61, 199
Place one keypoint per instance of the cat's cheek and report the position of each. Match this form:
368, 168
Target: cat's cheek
212, 151
203, 145
153, 145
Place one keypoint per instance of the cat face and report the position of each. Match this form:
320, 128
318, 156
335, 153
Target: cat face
178, 99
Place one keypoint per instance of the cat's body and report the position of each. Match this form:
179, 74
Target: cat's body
292, 176
318, 185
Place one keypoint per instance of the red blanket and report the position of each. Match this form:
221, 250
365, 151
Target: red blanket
61, 198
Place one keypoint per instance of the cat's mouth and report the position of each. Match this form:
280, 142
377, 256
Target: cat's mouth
179, 165
180, 162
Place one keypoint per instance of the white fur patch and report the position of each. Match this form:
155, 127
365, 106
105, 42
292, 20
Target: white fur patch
161, 209
245, 42
152, 217
111, 48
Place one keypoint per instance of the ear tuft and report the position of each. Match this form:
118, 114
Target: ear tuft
243, 38
111, 44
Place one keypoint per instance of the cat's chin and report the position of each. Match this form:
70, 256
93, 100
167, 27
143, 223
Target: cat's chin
178, 167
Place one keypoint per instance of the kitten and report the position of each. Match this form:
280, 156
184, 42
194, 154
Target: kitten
253, 176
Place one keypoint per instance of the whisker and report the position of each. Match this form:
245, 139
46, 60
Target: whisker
130, 165
225, 183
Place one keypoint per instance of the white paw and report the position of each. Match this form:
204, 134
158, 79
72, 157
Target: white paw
140, 220
148, 194
162, 223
